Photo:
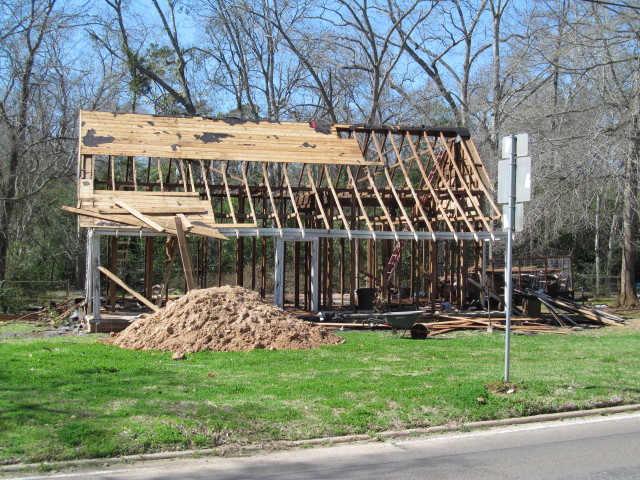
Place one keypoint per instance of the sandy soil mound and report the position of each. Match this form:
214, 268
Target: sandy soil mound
222, 319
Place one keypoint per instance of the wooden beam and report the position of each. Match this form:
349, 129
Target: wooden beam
112, 172
184, 255
246, 186
293, 200
153, 210
358, 198
143, 218
171, 250
226, 188
337, 200
380, 201
318, 200
470, 195
451, 194
139, 297
190, 172
398, 201
187, 226
134, 170
159, 174
425, 178
205, 179
183, 174
273, 203
407, 181
134, 222
88, 213
481, 174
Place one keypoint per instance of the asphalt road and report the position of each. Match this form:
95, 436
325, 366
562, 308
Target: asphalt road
587, 449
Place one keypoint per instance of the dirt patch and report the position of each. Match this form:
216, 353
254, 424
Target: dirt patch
631, 317
632, 324
222, 319
503, 387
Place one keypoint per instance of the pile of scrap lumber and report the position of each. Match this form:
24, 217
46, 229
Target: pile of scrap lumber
563, 314
56, 311
62, 310
436, 324
447, 324
561, 308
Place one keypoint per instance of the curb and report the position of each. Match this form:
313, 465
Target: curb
328, 441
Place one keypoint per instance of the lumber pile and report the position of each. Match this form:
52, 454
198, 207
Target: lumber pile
442, 323
560, 308
447, 324
56, 311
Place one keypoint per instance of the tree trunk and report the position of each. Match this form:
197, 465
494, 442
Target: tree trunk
596, 244
612, 237
9, 191
628, 298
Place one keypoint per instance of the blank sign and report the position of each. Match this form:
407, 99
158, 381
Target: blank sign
519, 225
523, 180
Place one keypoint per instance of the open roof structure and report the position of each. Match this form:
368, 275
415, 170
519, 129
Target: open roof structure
156, 175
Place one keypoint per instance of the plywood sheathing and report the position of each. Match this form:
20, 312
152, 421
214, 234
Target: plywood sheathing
222, 139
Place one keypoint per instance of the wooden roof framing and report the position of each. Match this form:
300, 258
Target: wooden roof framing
137, 172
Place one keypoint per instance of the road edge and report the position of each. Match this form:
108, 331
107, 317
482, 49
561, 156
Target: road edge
328, 441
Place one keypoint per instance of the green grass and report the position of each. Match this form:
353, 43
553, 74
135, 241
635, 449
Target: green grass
72, 397
22, 327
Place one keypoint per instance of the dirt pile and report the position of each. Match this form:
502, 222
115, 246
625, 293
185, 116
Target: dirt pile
222, 319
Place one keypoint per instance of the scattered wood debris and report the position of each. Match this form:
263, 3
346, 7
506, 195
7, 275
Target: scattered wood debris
560, 307
58, 312
563, 315
523, 325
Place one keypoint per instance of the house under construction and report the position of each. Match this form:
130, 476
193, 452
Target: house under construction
310, 213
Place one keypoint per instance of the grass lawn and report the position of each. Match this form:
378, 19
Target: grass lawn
73, 397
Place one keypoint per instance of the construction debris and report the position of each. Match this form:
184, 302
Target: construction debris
559, 305
527, 326
563, 315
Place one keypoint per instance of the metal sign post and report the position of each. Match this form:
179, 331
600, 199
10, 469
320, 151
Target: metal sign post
508, 278
517, 180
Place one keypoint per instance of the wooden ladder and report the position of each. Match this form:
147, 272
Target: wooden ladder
122, 254
118, 266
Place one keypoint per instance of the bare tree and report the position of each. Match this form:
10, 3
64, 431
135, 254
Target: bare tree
153, 54
305, 38
446, 45
36, 114
579, 100
249, 57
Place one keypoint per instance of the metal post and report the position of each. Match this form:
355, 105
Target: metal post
314, 274
92, 281
278, 283
508, 280
483, 279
